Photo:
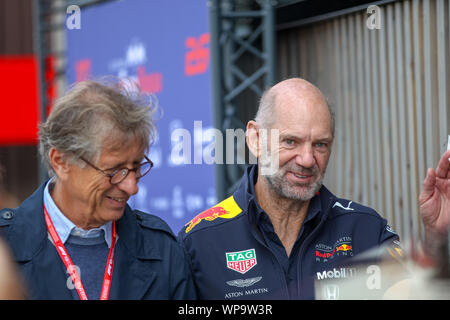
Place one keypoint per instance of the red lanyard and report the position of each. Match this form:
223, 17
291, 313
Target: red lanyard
71, 267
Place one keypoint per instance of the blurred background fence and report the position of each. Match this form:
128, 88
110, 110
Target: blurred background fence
389, 88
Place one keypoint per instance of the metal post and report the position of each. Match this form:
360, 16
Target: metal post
270, 42
230, 51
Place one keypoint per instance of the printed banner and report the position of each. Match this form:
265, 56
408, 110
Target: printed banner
164, 46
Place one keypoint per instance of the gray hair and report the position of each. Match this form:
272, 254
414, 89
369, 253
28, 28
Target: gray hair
266, 115
94, 115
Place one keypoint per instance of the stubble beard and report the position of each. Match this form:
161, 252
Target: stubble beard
295, 191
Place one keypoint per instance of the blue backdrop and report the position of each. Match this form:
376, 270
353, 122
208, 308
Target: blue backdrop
163, 45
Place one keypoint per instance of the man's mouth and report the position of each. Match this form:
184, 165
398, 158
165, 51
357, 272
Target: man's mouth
302, 176
117, 199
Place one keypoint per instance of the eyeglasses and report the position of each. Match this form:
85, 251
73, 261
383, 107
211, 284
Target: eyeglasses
118, 175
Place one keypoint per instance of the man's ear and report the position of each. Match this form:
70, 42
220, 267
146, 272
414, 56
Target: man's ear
252, 137
59, 163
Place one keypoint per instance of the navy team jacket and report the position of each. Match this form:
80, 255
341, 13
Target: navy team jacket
230, 259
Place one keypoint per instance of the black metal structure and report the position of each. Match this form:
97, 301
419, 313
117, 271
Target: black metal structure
243, 65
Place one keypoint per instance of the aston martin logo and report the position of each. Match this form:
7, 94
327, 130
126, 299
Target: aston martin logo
243, 283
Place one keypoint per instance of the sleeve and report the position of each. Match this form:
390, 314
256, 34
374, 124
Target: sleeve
183, 284
389, 242
175, 264
388, 235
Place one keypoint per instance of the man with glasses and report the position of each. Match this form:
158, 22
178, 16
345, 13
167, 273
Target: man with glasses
76, 237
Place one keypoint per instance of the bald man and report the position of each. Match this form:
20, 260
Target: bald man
281, 231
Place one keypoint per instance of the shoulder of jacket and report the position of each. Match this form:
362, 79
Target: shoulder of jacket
349, 207
224, 211
152, 222
6, 216
6, 219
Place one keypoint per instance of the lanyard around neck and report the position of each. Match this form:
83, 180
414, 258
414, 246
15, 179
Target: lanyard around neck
71, 267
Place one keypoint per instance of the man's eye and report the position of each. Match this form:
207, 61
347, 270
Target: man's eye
321, 145
111, 172
289, 143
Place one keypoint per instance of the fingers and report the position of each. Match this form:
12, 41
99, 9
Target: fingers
443, 168
428, 185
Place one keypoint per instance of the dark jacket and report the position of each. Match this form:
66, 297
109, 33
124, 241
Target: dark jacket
149, 263
231, 259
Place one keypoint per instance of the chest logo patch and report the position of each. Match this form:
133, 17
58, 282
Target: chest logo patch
241, 261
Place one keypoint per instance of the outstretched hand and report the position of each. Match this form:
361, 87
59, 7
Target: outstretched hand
434, 198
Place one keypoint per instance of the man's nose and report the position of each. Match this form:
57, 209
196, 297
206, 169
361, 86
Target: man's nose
305, 156
129, 184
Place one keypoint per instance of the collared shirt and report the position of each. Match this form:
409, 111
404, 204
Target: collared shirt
64, 227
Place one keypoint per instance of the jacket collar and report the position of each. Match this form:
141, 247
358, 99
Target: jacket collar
64, 227
245, 193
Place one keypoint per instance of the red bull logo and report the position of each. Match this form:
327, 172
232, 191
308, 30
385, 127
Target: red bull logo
226, 209
344, 247
208, 215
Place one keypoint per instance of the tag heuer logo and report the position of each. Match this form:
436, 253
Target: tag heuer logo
241, 261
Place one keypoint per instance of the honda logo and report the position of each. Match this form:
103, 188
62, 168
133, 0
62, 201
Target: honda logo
331, 292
